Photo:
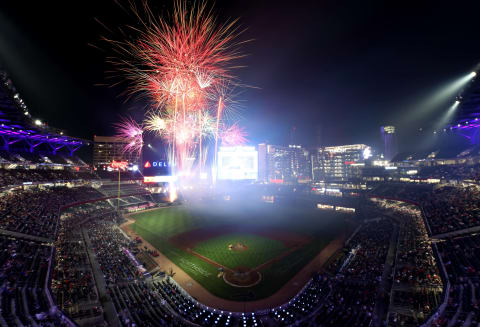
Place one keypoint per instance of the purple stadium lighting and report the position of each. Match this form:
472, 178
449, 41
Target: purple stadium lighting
468, 128
14, 133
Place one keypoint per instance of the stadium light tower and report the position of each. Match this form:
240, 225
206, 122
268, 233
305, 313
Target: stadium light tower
453, 87
441, 96
119, 165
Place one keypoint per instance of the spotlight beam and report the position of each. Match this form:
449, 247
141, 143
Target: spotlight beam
439, 98
447, 91
448, 115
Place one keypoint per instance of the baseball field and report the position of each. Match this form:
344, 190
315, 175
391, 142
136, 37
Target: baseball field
241, 253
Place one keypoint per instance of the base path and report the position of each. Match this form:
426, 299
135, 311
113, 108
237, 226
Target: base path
282, 296
210, 261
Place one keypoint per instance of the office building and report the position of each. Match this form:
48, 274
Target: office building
339, 163
110, 148
283, 164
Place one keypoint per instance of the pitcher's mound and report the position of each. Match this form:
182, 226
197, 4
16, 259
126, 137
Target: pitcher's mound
242, 277
238, 247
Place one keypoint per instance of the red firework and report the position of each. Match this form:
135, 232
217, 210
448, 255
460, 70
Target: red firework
178, 58
184, 64
233, 136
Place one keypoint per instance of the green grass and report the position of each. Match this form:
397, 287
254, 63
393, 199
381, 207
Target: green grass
166, 222
158, 226
260, 249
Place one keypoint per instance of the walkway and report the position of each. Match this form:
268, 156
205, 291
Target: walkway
381, 306
25, 236
110, 312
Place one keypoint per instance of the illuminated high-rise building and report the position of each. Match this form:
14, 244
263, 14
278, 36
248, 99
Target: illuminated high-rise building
278, 164
389, 142
300, 163
339, 163
284, 164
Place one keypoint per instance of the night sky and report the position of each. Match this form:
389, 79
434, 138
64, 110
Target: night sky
342, 67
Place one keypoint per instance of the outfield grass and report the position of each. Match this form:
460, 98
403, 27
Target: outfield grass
260, 249
157, 226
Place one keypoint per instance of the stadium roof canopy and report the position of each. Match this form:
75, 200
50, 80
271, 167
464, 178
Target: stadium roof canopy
17, 125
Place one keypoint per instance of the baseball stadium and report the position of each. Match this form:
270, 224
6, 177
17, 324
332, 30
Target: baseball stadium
309, 164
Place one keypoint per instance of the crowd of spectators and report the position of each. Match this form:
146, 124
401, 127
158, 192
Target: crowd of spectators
417, 288
447, 208
110, 246
452, 208
23, 271
73, 280
460, 256
19, 176
369, 248
75, 215
139, 304
403, 191
72, 283
350, 304
451, 172
312, 297
359, 273
35, 211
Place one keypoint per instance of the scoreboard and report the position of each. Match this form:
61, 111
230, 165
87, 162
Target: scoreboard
237, 163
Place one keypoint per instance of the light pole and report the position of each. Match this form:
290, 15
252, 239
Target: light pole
119, 165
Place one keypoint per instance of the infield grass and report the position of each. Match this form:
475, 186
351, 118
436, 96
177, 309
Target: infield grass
259, 250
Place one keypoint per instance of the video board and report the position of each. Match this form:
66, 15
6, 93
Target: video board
237, 163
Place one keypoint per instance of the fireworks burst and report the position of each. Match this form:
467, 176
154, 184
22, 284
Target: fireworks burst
206, 124
177, 56
131, 132
233, 136
184, 64
157, 123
